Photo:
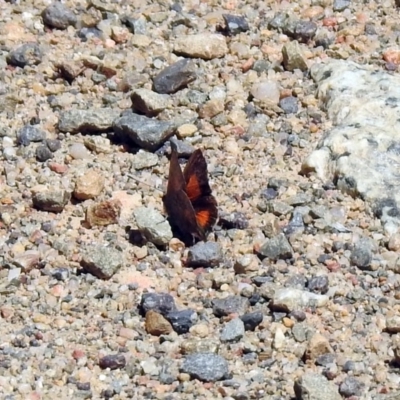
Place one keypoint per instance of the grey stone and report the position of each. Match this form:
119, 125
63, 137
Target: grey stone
207, 367
313, 386
175, 77
203, 45
153, 225
147, 133
87, 121
30, 133
362, 148
252, 320
305, 30
101, 261
361, 256
57, 15
233, 331
143, 159
296, 224
53, 144
393, 324
53, 200
205, 254
43, 153
341, 5
351, 387
289, 299
148, 102
293, 57
277, 248
163, 303
235, 24
230, 305
26, 54
279, 208
289, 105
319, 284
182, 320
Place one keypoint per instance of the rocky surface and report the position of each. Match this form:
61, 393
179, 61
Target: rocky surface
296, 292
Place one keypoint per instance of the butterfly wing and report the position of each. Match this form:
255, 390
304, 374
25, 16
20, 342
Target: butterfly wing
177, 203
199, 192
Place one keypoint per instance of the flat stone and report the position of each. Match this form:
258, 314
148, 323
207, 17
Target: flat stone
153, 225
101, 261
88, 121
175, 77
230, 305
207, 367
277, 248
204, 254
104, 213
147, 133
313, 386
148, 102
53, 200
289, 299
203, 45
89, 185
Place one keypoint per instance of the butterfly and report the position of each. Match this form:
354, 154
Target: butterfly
191, 208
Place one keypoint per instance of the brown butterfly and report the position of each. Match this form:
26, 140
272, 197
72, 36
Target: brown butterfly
191, 207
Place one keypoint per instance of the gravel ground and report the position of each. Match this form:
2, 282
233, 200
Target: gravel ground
290, 297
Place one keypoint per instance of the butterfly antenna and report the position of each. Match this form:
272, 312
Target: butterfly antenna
144, 183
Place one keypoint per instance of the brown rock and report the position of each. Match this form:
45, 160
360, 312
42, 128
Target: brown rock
317, 346
211, 108
156, 324
104, 213
89, 185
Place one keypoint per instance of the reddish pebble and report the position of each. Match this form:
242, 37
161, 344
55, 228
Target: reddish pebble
58, 168
329, 21
112, 361
77, 354
333, 266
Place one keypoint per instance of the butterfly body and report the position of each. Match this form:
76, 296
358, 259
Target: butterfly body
191, 207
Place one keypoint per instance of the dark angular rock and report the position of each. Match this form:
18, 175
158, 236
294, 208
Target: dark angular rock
57, 15
26, 54
351, 387
325, 359
235, 220
204, 254
182, 320
295, 224
61, 274
252, 320
163, 303
53, 144
86, 33
207, 367
277, 248
305, 30
43, 153
112, 361
30, 133
230, 305
147, 133
235, 24
289, 105
318, 284
361, 256
175, 77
